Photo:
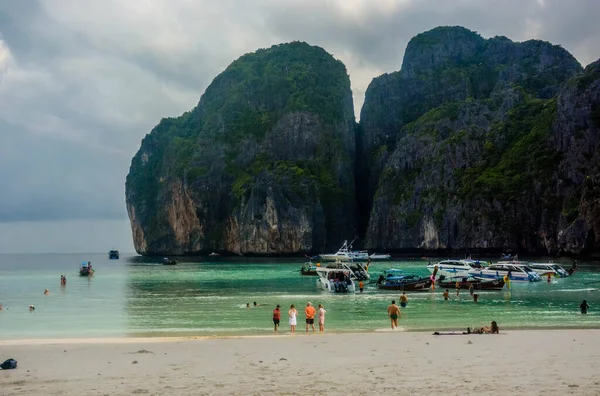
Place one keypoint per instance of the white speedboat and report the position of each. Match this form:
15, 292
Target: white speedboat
335, 280
357, 270
451, 268
545, 269
345, 253
516, 272
376, 256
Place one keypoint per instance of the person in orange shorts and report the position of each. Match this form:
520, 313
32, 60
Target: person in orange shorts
310, 312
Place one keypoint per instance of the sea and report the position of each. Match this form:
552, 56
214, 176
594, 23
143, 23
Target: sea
139, 297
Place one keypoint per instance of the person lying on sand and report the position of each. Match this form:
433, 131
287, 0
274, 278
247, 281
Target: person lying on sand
493, 329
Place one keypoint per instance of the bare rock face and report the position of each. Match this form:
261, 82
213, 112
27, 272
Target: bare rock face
482, 144
263, 165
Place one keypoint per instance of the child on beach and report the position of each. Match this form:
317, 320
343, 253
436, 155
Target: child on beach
293, 314
322, 313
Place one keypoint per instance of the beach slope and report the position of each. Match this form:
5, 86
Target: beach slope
557, 362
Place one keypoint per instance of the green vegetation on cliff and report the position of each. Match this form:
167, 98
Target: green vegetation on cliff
279, 115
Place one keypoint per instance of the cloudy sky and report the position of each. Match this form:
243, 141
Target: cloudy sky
82, 82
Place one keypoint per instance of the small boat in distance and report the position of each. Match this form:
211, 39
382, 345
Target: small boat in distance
86, 269
168, 261
450, 268
113, 255
309, 268
516, 272
214, 254
335, 280
406, 282
345, 253
545, 269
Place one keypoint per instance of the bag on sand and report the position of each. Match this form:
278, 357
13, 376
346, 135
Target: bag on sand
9, 364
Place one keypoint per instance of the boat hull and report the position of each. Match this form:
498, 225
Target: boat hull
334, 257
449, 272
515, 277
332, 287
421, 285
478, 284
86, 272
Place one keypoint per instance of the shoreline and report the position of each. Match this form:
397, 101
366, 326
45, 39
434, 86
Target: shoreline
282, 334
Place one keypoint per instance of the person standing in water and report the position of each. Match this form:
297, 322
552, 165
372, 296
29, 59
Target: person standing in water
403, 300
394, 313
276, 317
293, 314
584, 307
310, 311
446, 295
361, 286
322, 313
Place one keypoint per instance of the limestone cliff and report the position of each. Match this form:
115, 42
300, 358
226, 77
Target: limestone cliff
264, 164
473, 143
482, 144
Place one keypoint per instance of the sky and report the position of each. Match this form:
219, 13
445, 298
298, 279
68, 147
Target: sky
82, 82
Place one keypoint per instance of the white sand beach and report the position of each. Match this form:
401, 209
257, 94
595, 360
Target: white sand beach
553, 362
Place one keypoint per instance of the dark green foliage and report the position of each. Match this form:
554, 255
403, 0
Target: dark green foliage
526, 159
241, 105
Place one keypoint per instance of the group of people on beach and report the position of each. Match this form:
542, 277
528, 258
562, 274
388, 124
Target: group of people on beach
309, 312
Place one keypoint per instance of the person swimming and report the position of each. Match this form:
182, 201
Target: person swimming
47, 292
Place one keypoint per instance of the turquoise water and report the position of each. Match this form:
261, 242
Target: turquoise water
135, 296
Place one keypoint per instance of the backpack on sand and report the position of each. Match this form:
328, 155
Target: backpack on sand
9, 364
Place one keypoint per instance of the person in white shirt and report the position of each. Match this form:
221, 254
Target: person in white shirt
322, 313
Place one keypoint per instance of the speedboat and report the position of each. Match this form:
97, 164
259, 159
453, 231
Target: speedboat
450, 268
309, 268
461, 282
335, 280
515, 271
86, 269
357, 270
113, 255
345, 253
545, 269
405, 282
376, 256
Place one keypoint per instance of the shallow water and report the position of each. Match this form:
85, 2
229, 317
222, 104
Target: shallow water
136, 296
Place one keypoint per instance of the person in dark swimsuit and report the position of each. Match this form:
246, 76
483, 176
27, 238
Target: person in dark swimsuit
394, 313
584, 307
276, 317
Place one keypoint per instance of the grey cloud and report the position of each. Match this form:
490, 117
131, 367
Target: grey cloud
86, 80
